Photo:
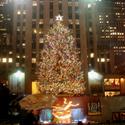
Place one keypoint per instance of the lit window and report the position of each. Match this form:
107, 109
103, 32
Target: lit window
102, 59
90, 29
18, 29
35, 31
23, 44
108, 60
102, 37
107, 36
10, 52
4, 60
101, 22
33, 60
24, 12
34, 3
112, 93
17, 64
10, 60
18, 12
102, 30
92, 55
18, 56
40, 32
41, 22
89, 5
41, 40
100, 18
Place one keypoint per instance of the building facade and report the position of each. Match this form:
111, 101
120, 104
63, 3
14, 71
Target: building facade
106, 42
98, 26
6, 49
106, 35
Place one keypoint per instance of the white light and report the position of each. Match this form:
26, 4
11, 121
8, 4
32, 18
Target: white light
34, 3
84, 120
33, 60
92, 55
94, 75
19, 74
102, 59
23, 44
59, 18
4, 60
10, 52
89, 5
35, 31
18, 12
46, 122
10, 60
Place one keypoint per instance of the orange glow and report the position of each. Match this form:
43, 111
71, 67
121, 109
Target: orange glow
62, 113
35, 89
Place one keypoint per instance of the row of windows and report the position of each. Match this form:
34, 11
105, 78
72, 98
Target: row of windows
6, 60
41, 8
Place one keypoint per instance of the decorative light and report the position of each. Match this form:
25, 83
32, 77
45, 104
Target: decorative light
94, 75
59, 18
60, 65
63, 112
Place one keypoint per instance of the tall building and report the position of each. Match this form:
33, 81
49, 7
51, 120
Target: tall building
106, 35
106, 42
5, 39
98, 26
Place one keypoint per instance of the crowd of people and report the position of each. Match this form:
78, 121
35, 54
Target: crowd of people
4, 101
29, 117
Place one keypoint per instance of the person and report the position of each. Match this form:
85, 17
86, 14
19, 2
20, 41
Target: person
28, 118
80, 123
4, 103
36, 116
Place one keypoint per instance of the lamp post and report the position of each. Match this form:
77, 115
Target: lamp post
17, 82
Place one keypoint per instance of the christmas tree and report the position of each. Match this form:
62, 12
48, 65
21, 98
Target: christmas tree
59, 68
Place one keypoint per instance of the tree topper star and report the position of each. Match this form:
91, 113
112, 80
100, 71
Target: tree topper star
59, 18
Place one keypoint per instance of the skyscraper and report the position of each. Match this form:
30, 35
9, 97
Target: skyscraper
107, 18
106, 42
5, 39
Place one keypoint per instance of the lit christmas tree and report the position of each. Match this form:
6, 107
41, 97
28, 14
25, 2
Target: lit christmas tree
59, 69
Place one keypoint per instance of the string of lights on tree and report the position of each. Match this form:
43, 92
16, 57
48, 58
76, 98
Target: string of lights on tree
59, 68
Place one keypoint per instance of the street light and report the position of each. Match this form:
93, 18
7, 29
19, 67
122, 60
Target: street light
19, 74
17, 82
95, 82
92, 75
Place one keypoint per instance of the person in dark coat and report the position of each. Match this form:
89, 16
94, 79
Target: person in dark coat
28, 118
80, 123
4, 103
